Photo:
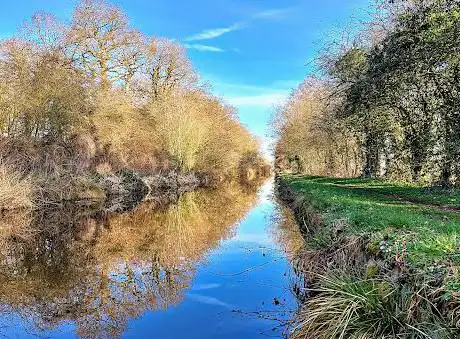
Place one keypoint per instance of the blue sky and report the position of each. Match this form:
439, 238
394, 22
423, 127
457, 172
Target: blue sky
251, 52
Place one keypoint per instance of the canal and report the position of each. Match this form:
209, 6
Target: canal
214, 263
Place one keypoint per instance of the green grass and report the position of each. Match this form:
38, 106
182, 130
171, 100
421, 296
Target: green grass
415, 224
413, 292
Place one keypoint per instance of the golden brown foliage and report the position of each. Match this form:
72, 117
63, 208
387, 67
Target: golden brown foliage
97, 94
310, 139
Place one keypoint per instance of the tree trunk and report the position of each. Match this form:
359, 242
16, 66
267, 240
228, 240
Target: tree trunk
446, 174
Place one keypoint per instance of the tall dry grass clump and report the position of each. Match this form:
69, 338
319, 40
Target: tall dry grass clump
16, 191
344, 306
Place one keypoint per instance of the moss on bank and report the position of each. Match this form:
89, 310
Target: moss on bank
374, 233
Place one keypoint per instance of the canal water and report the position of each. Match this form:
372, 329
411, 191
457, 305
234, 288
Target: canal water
213, 264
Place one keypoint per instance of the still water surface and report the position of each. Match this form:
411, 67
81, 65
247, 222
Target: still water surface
215, 263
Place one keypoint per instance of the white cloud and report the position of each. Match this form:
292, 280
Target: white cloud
271, 14
215, 32
252, 95
204, 48
261, 100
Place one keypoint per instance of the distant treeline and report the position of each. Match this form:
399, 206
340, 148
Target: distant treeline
98, 95
384, 103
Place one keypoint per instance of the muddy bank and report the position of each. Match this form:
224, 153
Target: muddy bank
126, 188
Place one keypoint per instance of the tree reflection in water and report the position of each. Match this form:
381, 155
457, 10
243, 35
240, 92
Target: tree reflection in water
99, 270
287, 235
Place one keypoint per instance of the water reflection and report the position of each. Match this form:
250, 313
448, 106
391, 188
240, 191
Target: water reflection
286, 232
287, 235
98, 270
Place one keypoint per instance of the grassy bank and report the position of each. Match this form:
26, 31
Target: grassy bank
383, 257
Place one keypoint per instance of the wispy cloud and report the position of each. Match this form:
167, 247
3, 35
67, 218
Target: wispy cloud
215, 32
279, 13
270, 14
205, 48
252, 95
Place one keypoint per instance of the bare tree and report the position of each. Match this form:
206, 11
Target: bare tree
102, 43
46, 32
166, 68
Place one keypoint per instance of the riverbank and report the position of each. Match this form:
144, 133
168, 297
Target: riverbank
382, 258
39, 191
21, 189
